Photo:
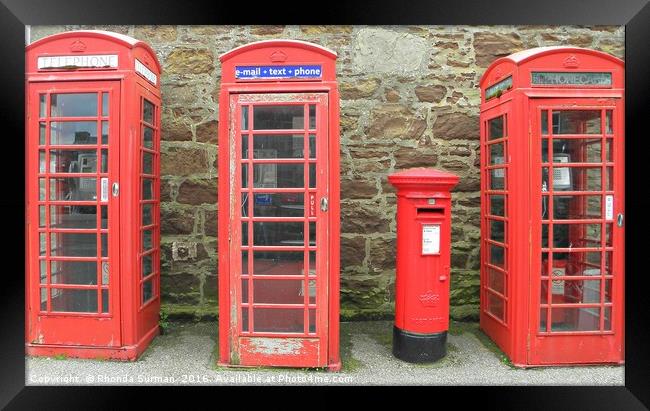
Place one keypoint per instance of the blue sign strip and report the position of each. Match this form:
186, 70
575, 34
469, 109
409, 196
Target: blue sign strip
278, 72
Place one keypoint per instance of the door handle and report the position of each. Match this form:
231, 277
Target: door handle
323, 204
116, 189
619, 220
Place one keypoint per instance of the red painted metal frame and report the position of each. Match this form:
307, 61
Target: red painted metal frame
133, 325
517, 333
268, 53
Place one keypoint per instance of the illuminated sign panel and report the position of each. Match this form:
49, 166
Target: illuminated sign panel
499, 88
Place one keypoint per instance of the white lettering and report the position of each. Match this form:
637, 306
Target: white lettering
100, 61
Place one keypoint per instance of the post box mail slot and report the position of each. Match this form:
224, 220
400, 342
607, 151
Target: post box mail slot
423, 263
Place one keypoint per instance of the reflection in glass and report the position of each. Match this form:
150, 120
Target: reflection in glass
278, 263
575, 319
74, 300
496, 306
147, 111
73, 188
41, 105
146, 214
147, 163
64, 216
73, 244
147, 264
105, 105
497, 204
104, 132
147, 189
42, 271
73, 132
277, 291
73, 105
288, 117
73, 161
496, 128
244, 118
41, 134
147, 137
43, 299
497, 230
147, 242
497, 179
496, 280
74, 272
576, 122
147, 291
497, 257
496, 152
278, 233
278, 320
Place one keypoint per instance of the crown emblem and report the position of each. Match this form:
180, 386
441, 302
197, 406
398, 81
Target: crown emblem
497, 74
278, 57
77, 46
571, 62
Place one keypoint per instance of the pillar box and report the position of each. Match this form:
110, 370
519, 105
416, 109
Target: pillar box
423, 261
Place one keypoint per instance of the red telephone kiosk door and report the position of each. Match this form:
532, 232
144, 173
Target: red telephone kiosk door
73, 128
577, 284
278, 206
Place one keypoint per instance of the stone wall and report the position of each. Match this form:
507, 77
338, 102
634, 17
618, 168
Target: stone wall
409, 97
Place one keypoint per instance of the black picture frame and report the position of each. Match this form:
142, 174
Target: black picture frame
634, 14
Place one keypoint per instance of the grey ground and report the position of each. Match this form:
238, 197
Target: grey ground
186, 355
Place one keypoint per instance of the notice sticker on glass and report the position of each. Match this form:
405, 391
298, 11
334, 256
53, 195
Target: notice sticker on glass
104, 189
430, 239
609, 208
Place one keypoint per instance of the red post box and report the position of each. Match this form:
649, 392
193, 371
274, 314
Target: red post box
92, 191
423, 263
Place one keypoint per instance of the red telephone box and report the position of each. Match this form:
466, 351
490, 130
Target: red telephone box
92, 188
552, 204
423, 263
279, 206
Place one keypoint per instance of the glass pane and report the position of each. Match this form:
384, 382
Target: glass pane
278, 292
575, 319
244, 233
244, 290
42, 216
244, 262
278, 320
104, 132
278, 117
312, 175
544, 122
147, 137
276, 205
41, 189
497, 179
544, 235
244, 175
576, 263
577, 207
278, 175
608, 319
73, 189
105, 301
278, 146
594, 180
312, 263
496, 128
497, 204
73, 105
576, 235
147, 163
104, 216
608, 150
73, 244
41, 134
278, 263
312, 234
147, 264
147, 189
574, 178
497, 257
42, 241
71, 300
278, 233
244, 146
544, 150
609, 124
576, 122
147, 111
73, 216
146, 214
496, 306
545, 212
244, 319
543, 313
312, 146
311, 291
312, 320
73, 161
74, 272
41, 161
580, 291
497, 230
496, 280
73, 132
104, 244
43, 299
543, 296
496, 153
42, 271
244, 118
578, 150
312, 117
147, 291
41, 105
147, 240
105, 105
104, 166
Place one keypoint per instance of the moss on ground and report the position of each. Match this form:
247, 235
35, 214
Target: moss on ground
348, 362
458, 328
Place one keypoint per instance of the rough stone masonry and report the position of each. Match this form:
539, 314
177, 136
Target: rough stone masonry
409, 98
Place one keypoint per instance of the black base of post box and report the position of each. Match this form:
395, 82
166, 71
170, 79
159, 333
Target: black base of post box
419, 348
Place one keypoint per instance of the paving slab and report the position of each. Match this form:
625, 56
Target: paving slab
186, 355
